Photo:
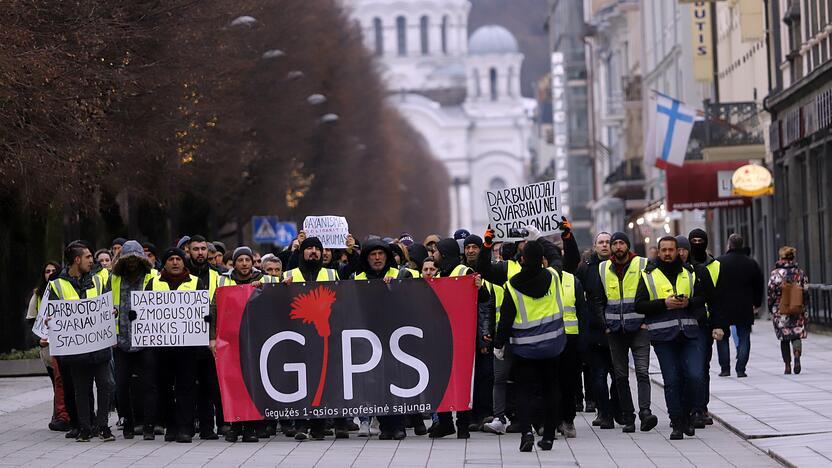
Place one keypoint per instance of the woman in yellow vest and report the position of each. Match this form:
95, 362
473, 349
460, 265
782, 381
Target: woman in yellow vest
531, 319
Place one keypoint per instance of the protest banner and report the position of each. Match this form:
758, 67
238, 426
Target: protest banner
81, 326
39, 327
345, 349
169, 318
517, 207
332, 231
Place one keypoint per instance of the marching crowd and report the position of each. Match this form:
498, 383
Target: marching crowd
556, 331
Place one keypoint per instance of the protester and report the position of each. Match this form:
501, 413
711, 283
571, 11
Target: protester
179, 361
80, 371
428, 268
671, 305
150, 253
132, 271
536, 348
60, 417
272, 265
790, 328
115, 246
742, 278
626, 330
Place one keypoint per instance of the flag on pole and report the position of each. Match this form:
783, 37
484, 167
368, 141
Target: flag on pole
671, 123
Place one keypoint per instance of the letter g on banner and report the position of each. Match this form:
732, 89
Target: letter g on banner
297, 367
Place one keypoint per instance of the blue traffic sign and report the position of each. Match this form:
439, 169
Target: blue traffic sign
269, 230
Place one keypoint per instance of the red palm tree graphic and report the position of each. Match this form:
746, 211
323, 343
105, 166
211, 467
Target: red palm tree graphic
315, 307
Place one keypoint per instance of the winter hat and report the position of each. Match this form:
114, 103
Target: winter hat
118, 241
220, 246
311, 242
131, 248
171, 252
473, 239
699, 234
448, 248
682, 242
461, 234
620, 236
242, 250
552, 254
185, 240
699, 250
406, 239
418, 253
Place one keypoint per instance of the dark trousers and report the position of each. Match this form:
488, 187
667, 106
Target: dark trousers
583, 385
681, 364
723, 348
483, 386
65, 368
391, 423
463, 418
83, 376
706, 348
209, 402
606, 398
568, 378
144, 364
530, 373
180, 365
621, 344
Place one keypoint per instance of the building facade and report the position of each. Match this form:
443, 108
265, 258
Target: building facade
800, 103
461, 93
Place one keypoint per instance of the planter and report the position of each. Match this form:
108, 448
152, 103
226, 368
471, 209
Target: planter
22, 367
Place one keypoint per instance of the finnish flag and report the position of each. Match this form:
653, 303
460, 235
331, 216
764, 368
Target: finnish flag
671, 124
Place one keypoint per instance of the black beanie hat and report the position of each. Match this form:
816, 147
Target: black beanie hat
448, 248
620, 236
473, 239
533, 255
699, 234
118, 241
552, 254
172, 252
418, 253
240, 251
311, 242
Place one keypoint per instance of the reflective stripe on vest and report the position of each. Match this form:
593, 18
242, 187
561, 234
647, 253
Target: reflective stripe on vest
666, 325
213, 279
391, 273
325, 274
190, 285
620, 312
537, 320
459, 270
65, 292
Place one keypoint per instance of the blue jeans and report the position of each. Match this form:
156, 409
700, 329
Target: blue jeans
681, 364
723, 349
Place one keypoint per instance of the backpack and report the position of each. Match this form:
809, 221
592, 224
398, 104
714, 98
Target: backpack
791, 299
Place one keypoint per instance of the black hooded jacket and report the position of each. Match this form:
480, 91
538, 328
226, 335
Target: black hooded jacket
587, 273
364, 262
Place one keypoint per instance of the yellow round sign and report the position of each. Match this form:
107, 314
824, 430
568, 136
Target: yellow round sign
752, 181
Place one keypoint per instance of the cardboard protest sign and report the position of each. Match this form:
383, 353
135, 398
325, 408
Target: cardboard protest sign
516, 207
82, 326
169, 318
332, 231
39, 327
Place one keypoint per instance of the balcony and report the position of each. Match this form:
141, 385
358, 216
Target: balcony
729, 131
626, 181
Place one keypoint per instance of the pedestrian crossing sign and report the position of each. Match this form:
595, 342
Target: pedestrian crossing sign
269, 230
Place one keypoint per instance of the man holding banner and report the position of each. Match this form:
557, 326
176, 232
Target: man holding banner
81, 332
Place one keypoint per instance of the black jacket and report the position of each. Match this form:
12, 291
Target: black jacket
81, 285
739, 289
587, 274
497, 273
646, 306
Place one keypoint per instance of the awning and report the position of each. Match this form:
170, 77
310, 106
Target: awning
703, 185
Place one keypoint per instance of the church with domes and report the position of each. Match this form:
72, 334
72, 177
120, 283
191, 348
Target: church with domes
461, 93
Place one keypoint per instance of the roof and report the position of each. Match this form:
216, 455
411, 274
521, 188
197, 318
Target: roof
492, 39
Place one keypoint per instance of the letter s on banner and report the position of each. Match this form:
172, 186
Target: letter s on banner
346, 353
408, 360
296, 367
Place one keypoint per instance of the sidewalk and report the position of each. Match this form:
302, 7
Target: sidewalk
787, 416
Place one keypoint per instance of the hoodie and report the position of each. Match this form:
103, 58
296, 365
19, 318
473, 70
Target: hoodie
532, 280
131, 253
364, 262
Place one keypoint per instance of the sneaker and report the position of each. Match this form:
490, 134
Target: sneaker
545, 444
496, 426
527, 442
230, 436
250, 437
364, 429
648, 420
568, 430
300, 435
83, 436
158, 430
72, 433
59, 426
441, 430
106, 435
148, 434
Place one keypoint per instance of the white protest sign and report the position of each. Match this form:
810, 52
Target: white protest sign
332, 231
516, 207
39, 327
82, 326
169, 318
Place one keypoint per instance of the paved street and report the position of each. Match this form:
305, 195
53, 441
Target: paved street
766, 418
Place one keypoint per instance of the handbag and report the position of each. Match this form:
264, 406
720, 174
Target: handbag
791, 299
